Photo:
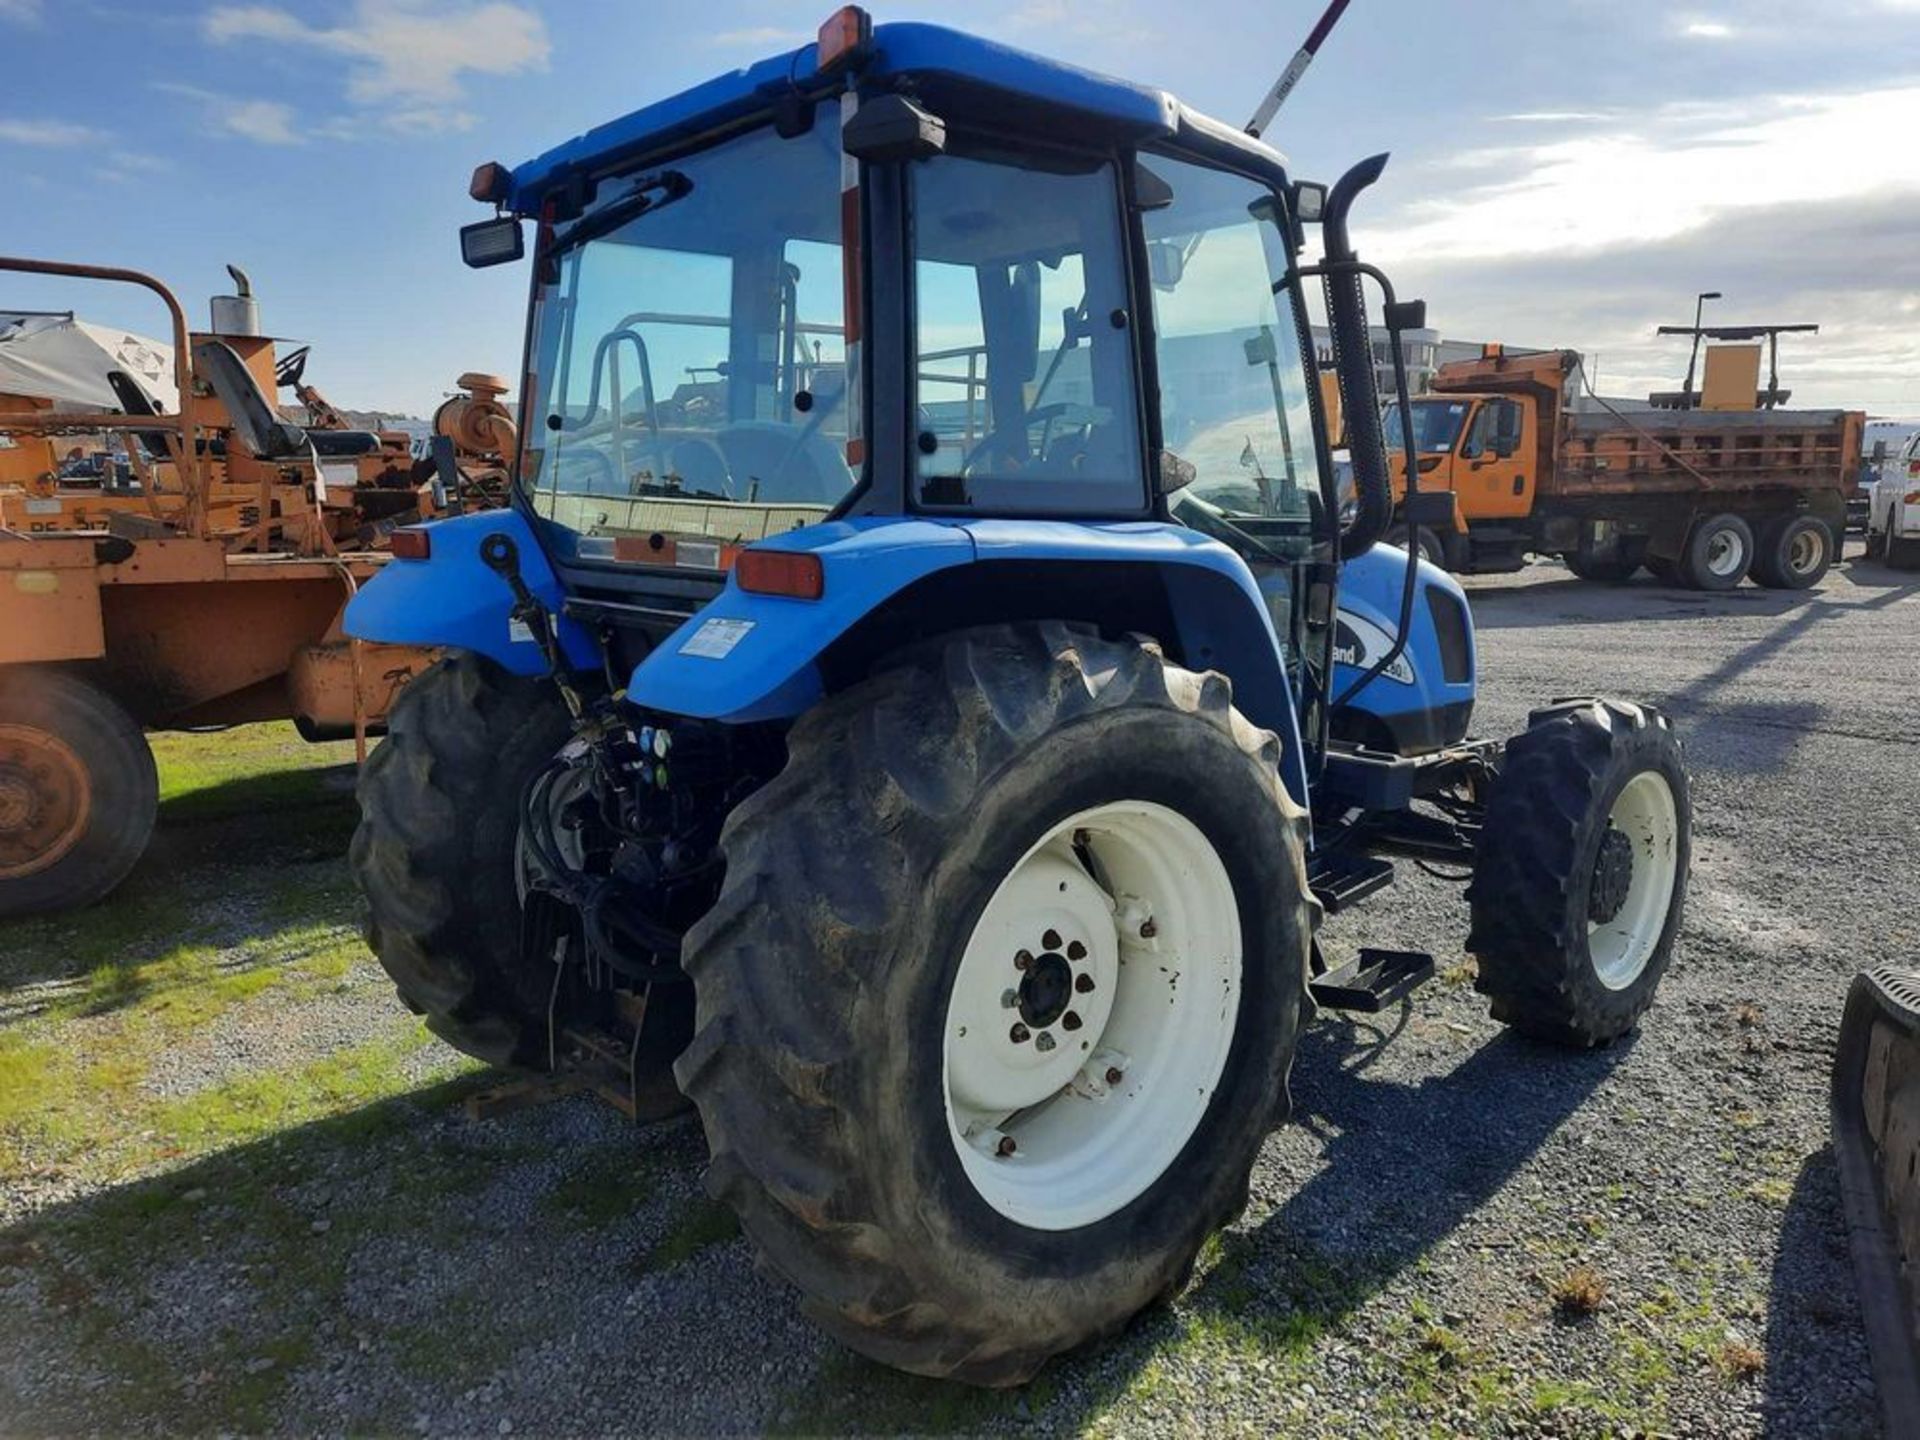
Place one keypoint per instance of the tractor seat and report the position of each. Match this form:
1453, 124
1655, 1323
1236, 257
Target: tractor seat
256, 424
343, 444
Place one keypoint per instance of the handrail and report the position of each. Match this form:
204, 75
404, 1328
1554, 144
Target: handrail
187, 460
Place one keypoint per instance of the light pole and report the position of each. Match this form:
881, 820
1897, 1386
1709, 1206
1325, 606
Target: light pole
1699, 304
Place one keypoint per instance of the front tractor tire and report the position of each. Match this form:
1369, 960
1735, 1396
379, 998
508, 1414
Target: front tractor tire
998, 1000
1580, 876
437, 855
78, 792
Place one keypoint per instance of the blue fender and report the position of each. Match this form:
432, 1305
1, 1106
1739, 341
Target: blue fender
454, 599
748, 657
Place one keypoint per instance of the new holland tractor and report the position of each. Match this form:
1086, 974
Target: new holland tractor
929, 686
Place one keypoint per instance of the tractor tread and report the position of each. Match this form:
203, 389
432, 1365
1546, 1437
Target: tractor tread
1528, 890
822, 863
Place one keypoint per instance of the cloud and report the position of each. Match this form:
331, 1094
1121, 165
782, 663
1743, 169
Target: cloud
1552, 117
1707, 30
1850, 266
21, 12
267, 122
1675, 169
410, 55
48, 133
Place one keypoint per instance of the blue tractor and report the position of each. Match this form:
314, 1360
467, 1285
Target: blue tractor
929, 686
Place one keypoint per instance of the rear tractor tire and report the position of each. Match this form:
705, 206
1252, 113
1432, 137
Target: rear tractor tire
998, 1000
1794, 552
78, 792
1581, 873
437, 855
1718, 553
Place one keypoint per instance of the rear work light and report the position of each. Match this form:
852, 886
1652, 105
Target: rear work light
410, 543
796, 574
844, 39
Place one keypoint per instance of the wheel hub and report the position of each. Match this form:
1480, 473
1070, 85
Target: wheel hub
1612, 877
44, 800
1047, 988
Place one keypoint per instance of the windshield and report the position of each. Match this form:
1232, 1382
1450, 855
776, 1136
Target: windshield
689, 357
1436, 425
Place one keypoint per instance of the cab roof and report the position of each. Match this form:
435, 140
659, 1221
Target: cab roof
927, 54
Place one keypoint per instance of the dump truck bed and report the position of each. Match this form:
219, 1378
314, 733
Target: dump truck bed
1666, 451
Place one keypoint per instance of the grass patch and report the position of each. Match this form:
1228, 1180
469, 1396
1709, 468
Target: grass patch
702, 1224
605, 1187
1579, 1293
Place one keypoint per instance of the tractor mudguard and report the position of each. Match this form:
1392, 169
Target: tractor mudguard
453, 599
749, 657
1424, 700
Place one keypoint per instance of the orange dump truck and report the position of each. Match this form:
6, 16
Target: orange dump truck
1703, 498
203, 589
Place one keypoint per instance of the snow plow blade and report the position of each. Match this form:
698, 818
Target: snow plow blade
1876, 1132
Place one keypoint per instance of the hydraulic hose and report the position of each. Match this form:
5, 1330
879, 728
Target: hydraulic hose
1353, 366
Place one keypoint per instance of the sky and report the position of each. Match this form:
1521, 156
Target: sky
1564, 173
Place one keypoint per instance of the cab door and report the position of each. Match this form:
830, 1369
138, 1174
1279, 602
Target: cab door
1494, 470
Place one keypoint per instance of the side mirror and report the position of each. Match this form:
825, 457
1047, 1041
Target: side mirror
492, 242
1166, 263
1309, 202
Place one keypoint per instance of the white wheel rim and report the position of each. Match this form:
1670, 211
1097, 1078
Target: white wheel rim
1044, 1132
1646, 814
1726, 553
1804, 555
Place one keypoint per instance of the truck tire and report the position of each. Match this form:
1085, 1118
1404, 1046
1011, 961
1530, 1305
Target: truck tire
972, 863
1433, 546
437, 856
1718, 554
78, 792
1793, 553
1607, 572
1580, 876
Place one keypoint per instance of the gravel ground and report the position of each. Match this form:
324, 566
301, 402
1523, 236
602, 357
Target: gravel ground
400, 1268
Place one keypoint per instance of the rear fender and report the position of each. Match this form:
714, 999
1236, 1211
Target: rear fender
749, 657
453, 599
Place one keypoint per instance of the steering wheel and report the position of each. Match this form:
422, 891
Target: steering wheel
1003, 439
291, 368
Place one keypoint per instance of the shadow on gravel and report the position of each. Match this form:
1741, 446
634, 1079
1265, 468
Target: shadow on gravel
1585, 602
1819, 1379
1407, 1166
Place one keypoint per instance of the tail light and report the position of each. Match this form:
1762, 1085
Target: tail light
797, 574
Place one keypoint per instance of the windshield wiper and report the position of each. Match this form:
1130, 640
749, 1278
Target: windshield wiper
649, 192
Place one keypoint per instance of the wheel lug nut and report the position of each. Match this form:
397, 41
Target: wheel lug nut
1023, 959
1045, 1042
1050, 940
1114, 1075
1019, 1034
1006, 1147
1076, 951
1148, 929
1083, 983
1070, 1021
1009, 999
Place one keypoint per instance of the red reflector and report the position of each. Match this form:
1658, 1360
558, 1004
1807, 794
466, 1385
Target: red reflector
844, 38
410, 543
781, 572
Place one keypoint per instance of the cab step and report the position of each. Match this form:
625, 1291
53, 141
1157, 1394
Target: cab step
1340, 880
1373, 980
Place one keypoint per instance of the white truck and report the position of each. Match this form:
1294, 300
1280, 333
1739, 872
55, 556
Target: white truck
1893, 513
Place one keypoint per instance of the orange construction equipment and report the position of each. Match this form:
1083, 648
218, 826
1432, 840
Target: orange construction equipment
205, 590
